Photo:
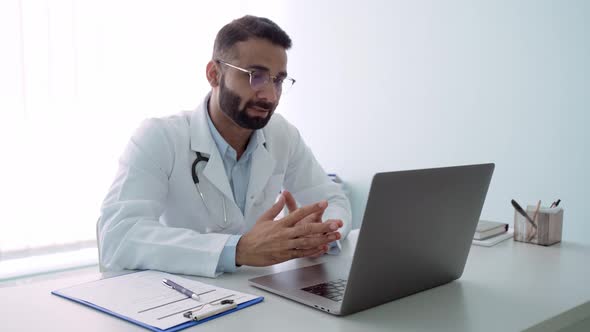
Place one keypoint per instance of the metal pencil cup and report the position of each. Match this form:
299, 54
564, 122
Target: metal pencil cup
549, 225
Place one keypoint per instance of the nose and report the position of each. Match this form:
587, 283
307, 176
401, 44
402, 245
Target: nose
269, 93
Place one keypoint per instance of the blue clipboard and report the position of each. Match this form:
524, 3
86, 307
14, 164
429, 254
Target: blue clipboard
153, 328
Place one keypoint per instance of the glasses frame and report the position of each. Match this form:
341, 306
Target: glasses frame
271, 78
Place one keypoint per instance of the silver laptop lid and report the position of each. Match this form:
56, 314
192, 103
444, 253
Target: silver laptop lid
416, 233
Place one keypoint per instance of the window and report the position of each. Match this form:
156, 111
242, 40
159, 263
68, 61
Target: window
77, 77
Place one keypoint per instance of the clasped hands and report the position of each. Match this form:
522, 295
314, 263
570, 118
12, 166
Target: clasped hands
299, 234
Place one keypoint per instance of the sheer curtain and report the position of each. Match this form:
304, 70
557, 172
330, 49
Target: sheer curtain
76, 78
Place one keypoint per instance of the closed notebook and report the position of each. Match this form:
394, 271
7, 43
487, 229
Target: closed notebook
486, 229
492, 241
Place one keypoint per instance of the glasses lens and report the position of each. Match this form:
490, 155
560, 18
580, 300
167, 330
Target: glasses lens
258, 79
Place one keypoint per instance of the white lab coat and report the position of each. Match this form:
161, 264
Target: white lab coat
154, 218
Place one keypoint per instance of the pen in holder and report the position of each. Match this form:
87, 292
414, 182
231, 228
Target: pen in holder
546, 231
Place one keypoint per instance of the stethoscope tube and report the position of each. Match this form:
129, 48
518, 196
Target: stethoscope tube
200, 158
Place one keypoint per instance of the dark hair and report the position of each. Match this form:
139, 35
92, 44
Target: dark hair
247, 27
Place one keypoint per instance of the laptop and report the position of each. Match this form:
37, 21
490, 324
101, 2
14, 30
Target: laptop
416, 234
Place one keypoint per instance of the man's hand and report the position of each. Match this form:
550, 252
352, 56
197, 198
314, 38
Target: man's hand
292, 206
296, 235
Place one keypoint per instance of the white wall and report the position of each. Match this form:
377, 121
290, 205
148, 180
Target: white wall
392, 85
381, 85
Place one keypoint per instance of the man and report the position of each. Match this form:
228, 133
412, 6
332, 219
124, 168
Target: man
196, 193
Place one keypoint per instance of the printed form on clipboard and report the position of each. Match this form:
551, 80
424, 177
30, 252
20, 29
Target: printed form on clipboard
143, 299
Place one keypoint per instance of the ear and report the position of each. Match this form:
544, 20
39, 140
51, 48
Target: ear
213, 74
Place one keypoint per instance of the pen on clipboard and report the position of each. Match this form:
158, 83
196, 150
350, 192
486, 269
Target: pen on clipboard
224, 305
523, 213
171, 284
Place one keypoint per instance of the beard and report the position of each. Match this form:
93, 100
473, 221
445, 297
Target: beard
229, 103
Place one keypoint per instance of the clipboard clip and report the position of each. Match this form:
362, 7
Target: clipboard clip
224, 305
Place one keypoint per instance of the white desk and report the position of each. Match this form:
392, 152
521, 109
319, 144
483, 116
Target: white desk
508, 287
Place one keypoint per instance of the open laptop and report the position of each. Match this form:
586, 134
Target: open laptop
416, 234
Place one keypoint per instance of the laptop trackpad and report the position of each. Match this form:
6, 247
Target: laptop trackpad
305, 277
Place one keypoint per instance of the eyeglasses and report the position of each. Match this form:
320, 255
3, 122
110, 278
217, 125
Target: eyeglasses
259, 78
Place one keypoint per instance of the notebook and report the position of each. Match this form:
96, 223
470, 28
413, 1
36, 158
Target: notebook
486, 229
492, 241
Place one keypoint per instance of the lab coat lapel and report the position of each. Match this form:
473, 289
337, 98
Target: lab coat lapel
202, 141
262, 168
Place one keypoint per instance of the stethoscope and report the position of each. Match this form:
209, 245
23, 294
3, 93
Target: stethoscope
200, 158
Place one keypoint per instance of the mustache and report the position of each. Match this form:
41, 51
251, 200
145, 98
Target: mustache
261, 104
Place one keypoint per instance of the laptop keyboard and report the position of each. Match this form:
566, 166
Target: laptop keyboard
333, 290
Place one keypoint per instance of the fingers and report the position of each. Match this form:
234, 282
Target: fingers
312, 218
320, 254
290, 200
313, 242
308, 229
300, 253
303, 212
274, 210
311, 252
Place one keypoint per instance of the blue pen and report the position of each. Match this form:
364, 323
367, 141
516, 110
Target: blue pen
171, 284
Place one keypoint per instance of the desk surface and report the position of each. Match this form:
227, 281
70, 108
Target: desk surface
509, 287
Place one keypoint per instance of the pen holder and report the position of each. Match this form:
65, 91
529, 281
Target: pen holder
549, 225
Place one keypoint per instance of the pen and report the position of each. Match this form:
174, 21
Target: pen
171, 284
556, 203
524, 214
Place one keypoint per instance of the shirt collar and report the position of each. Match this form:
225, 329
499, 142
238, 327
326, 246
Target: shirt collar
257, 138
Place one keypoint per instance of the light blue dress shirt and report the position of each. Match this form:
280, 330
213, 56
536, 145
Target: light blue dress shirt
238, 174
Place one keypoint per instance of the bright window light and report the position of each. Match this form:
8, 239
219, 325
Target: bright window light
77, 77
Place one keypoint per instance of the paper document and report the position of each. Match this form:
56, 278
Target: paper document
144, 298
